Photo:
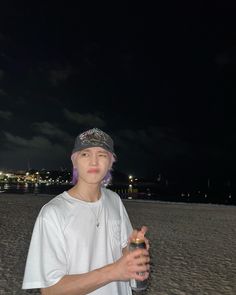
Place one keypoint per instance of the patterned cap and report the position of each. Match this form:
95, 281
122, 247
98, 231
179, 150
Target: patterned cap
93, 138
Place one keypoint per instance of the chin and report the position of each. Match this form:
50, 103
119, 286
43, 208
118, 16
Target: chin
94, 180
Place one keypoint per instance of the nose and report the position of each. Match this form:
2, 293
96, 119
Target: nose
93, 160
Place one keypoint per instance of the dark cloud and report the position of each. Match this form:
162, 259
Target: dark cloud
227, 57
52, 131
151, 149
21, 101
2, 92
38, 152
1, 37
59, 75
37, 142
2, 73
162, 141
6, 115
88, 119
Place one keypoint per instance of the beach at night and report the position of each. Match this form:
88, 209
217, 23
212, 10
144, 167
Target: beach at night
143, 93
193, 246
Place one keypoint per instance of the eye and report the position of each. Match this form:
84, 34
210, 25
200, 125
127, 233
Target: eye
102, 155
84, 154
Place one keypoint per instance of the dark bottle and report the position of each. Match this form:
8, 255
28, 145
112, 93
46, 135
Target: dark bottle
135, 284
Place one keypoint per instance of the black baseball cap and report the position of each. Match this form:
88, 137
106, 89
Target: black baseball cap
93, 138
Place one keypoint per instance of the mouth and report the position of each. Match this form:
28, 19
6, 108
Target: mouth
93, 170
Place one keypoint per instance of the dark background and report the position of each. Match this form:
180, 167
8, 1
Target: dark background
159, 79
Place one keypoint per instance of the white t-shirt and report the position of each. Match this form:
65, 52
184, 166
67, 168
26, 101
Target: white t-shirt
66, 240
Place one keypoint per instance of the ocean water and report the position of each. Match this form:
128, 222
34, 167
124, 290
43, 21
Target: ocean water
145, 194
25, 188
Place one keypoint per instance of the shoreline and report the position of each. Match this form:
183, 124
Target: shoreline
42, 195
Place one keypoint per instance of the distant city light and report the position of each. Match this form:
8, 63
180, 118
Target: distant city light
134, 187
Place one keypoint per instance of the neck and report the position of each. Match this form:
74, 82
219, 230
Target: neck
88, 192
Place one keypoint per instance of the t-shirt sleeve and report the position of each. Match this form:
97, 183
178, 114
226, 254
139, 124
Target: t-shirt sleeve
126, 227
47, 261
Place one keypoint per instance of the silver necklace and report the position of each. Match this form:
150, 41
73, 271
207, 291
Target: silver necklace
97, 216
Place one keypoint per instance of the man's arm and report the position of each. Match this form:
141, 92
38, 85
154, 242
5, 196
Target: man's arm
80, 284
127, 267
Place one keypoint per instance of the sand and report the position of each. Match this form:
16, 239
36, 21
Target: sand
193, 246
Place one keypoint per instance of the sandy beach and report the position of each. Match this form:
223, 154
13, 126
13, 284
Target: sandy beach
193, 246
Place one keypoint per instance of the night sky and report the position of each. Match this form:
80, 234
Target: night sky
160, 80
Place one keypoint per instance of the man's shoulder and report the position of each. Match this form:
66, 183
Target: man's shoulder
53, 207
110, 193
111, 196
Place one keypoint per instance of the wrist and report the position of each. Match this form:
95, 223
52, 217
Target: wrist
108, 273
112, 273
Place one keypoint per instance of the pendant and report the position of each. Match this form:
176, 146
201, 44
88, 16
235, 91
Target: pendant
97, 225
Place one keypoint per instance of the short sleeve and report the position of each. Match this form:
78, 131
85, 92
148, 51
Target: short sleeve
46, 262
126, 227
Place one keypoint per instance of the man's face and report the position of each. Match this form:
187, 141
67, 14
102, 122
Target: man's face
92, 164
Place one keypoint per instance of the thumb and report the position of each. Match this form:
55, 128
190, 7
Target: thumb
142, 232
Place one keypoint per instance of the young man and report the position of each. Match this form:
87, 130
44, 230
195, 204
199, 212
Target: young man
80, 238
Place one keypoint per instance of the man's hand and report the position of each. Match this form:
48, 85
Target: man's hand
134, 262
131, 264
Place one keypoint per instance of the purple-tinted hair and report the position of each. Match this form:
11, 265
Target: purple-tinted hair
106, 180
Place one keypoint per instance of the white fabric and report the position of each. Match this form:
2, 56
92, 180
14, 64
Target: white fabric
65, 240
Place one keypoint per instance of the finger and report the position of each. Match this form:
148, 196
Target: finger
147, 243
144, 260
144, 229
141, 276
141, 233
138, 253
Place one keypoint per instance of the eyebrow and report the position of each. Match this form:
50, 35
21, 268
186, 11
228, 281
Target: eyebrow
102, 151
99, 151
